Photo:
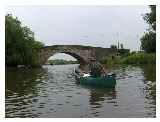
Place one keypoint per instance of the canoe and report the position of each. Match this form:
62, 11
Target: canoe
108, 81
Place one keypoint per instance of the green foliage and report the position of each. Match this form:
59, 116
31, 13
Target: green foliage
122, 46
20, 44
123, 52
132, 58
150, 18
148, 40
61, 61
139, 58
111, 60
113, 47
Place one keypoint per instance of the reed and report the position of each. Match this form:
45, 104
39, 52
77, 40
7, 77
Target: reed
139, 58
133, 58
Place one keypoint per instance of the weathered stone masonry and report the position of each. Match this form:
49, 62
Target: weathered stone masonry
81, 53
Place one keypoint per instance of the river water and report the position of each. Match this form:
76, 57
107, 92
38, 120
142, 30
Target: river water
51, 91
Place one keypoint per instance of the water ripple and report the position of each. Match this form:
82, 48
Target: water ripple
52, 92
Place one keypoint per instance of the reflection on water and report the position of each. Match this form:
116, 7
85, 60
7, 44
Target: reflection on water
97, 96
51, 91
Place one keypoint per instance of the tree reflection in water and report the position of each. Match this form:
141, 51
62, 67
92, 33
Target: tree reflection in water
25, 82
22, 90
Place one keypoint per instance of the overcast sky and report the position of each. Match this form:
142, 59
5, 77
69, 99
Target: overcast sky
84, 25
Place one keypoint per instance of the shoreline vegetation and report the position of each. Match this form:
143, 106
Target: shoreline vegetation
21, 46
134, 58
61, 62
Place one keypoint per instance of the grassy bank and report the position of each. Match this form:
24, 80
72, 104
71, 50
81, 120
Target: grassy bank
111, 61
139, 58
61, 62
132, 58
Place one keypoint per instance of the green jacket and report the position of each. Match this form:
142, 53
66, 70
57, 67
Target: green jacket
95, 69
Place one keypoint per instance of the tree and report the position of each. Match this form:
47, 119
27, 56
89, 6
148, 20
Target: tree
113, 47
150, 18
122, 46
118, 45
148, 40
20, 44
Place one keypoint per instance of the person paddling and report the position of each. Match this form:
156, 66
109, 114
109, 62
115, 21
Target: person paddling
96, 69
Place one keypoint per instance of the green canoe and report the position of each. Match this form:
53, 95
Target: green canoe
108, 81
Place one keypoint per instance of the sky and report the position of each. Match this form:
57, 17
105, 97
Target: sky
98, 26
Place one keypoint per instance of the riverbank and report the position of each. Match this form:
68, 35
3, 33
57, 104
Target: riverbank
139, 58
61, 62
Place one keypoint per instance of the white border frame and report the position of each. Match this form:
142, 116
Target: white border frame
73, 2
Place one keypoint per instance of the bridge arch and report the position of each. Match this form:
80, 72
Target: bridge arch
80, 52
74, 55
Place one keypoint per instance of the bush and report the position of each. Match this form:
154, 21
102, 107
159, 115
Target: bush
133, 58
111, 60
20, 44
140, 58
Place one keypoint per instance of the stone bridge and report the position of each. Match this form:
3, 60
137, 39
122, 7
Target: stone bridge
81, 53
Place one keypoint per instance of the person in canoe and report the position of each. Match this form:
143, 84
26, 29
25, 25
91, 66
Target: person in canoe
96, 69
